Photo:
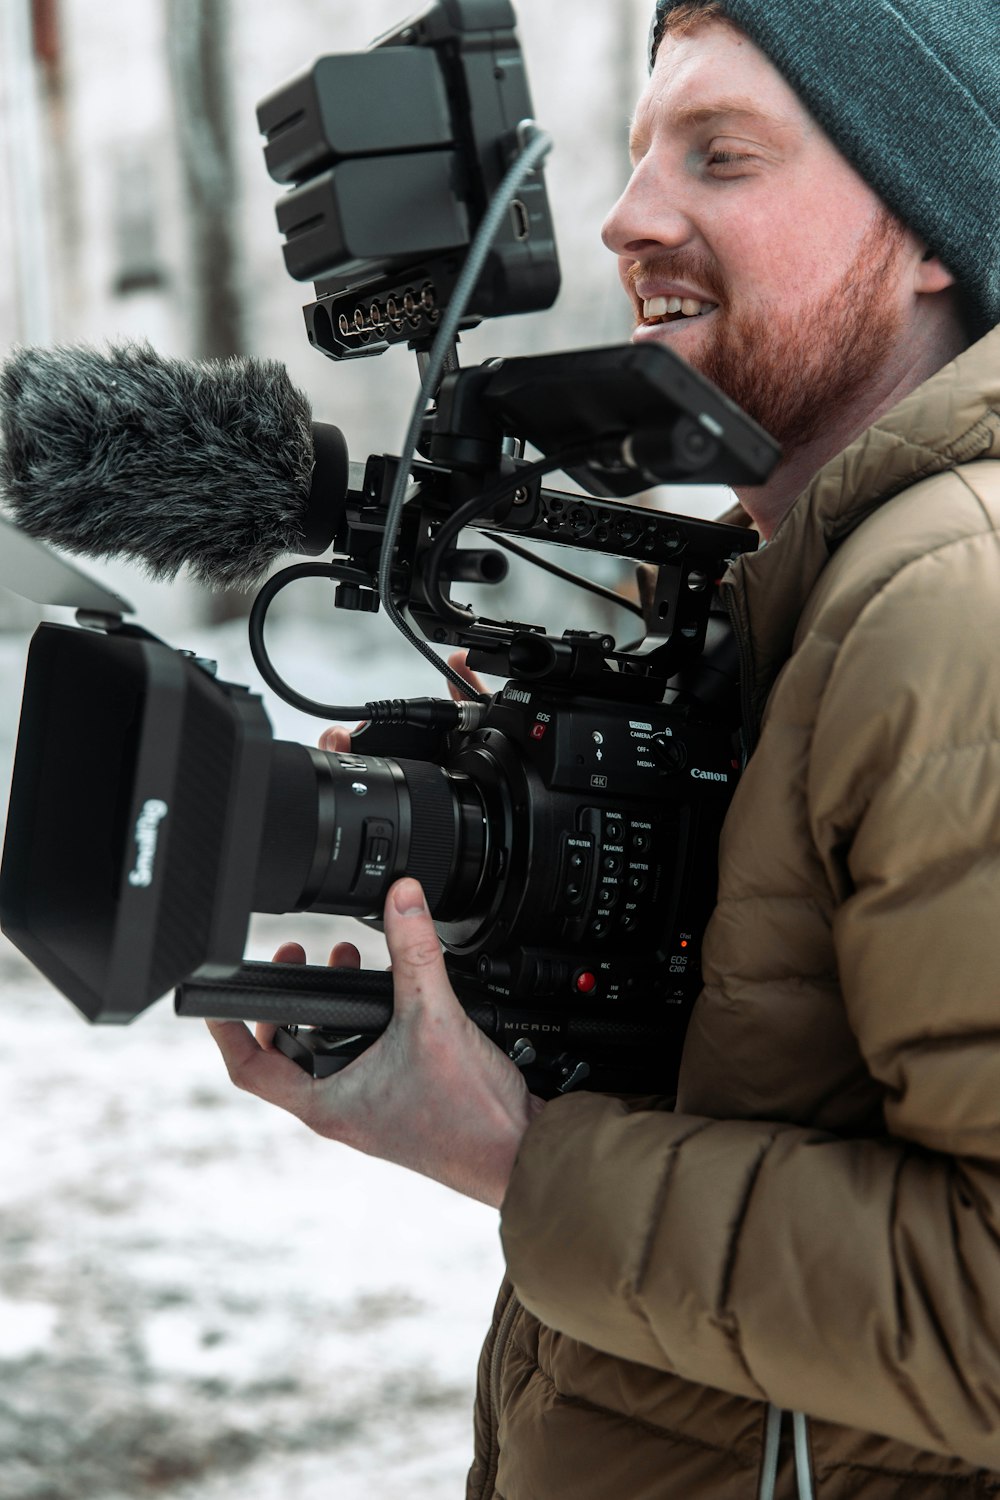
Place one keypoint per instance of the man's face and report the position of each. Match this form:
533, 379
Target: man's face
748, 244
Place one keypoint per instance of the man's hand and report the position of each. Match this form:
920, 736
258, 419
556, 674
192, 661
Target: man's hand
432, 1093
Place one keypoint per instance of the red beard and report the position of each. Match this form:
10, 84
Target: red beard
791, 370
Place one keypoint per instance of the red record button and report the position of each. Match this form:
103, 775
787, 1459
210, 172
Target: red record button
585, 983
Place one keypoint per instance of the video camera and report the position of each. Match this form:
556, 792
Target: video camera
565, 829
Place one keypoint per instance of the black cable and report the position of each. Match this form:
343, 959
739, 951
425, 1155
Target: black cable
435, 713
263, 662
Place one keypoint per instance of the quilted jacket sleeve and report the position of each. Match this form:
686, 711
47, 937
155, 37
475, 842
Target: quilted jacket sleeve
855, 1279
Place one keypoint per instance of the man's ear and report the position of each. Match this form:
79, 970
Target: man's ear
931, 274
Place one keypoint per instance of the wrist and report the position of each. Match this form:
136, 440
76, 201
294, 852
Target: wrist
509, 1149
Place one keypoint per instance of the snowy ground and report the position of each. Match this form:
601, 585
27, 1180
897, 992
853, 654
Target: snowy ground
199, 1299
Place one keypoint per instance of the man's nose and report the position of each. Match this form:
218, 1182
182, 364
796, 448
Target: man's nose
647, 216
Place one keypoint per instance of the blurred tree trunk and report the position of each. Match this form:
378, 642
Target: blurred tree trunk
30, 96
199, 43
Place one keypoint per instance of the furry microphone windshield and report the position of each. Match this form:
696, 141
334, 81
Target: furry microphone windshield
125, 453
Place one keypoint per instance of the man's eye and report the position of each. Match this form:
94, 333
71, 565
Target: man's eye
726, 158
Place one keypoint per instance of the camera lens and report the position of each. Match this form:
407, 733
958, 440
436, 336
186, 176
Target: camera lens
339, 829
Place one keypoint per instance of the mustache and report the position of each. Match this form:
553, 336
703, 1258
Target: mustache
682, 266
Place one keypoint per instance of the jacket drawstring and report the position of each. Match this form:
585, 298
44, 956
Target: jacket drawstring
803, 1468
769, 1467
769, 1464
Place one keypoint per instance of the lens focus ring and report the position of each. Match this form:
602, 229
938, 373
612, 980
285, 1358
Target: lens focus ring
434, 827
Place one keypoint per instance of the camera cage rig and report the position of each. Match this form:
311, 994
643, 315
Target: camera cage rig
594, 394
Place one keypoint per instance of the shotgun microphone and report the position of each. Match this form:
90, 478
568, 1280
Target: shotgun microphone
125, 453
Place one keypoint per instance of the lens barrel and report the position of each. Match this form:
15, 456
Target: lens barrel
340, 828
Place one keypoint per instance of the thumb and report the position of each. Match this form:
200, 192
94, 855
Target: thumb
418, 971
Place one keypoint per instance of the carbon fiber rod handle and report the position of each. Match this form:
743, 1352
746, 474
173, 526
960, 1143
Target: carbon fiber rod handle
347, 1000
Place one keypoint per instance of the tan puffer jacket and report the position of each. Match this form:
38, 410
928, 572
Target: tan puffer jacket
816, 1229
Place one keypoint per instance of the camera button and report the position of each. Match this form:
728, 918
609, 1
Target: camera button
575, 876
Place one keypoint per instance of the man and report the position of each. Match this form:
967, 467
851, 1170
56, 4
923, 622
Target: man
815, 1229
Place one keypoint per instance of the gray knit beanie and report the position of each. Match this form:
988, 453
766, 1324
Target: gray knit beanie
909, 92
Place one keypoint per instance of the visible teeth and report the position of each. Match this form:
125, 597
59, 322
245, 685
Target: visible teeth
661, 307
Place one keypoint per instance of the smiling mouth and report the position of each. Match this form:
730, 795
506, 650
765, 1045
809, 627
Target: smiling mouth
656, 310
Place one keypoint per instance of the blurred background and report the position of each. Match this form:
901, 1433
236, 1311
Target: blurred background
197, 1297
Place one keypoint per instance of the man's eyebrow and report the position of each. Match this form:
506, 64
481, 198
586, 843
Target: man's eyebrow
719, 109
